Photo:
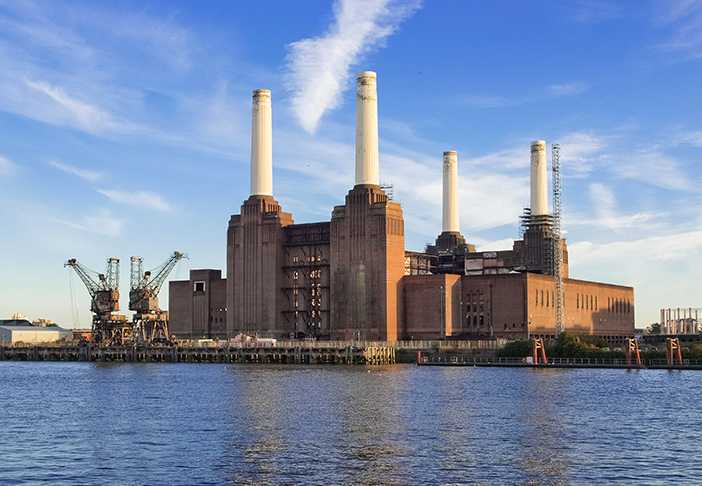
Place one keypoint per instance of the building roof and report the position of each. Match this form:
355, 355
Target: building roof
15, 322
34, 328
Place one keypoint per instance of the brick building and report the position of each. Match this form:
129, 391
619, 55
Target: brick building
351, 277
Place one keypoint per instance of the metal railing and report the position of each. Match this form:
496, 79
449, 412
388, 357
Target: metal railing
518, 361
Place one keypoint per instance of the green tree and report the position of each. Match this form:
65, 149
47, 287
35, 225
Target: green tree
655, 328
516, 349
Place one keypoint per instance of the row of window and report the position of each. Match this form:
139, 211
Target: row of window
312, 274
582, 302
475, 303
619, 306
308, 259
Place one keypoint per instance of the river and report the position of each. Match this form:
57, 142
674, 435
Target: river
199, 424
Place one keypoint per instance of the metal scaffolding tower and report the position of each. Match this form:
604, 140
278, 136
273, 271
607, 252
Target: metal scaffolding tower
556, 240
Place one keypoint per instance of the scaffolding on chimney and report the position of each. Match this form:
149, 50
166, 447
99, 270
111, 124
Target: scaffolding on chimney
556, 240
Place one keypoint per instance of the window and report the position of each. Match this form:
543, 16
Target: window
577, 301
296, 275
295, 259
199, 287
547, 302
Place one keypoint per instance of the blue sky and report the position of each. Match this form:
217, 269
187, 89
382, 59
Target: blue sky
125, 130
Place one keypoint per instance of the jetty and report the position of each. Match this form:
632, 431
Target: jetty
281, 354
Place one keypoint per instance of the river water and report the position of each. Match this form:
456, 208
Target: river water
192, 424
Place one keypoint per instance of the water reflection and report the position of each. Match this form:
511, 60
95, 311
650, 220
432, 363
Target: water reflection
80, 423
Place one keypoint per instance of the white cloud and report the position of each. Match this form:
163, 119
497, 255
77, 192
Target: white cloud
319, 67
605, 213
656, 169
88, 175
100, 221
660, 268
568, 89
499, 245
514, 158
684, 19
5, 166
90, 117
639, 252
543, 94
142, 199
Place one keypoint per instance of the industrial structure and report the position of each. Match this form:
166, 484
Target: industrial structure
150, 322
680, 321
108, 327
351, 277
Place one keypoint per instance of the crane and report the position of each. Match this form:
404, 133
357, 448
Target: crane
103, 288
149, 321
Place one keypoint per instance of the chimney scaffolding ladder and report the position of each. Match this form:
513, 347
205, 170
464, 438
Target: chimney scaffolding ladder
556, 239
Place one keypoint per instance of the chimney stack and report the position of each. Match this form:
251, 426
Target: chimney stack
539, 184
450, 190
261, 145
367, 129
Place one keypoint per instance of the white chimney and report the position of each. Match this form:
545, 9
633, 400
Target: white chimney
539, 184
261, 145
367, 129
450, 208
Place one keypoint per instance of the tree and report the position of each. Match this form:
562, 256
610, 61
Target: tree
655, 328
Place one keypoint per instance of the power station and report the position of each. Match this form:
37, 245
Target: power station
351, 277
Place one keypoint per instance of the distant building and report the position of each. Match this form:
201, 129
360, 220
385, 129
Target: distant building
197, 307
680, 321
351, 277
13, 331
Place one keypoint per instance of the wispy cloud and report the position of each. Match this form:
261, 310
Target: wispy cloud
668, 248
319, 67
545, 93
684, 20
5, 166
606, 213
90, 117
592, 11
655, 168
142, 199
100, 221
88, 175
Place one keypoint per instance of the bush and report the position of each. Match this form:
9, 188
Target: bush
516, 349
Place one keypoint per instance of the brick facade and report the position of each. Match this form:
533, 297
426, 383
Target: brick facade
367, 258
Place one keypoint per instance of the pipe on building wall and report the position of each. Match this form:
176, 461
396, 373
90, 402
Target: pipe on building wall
450, 191
367, 171
261, 144
539, 184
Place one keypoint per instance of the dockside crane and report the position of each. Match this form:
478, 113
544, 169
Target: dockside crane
150, 322
108, 327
